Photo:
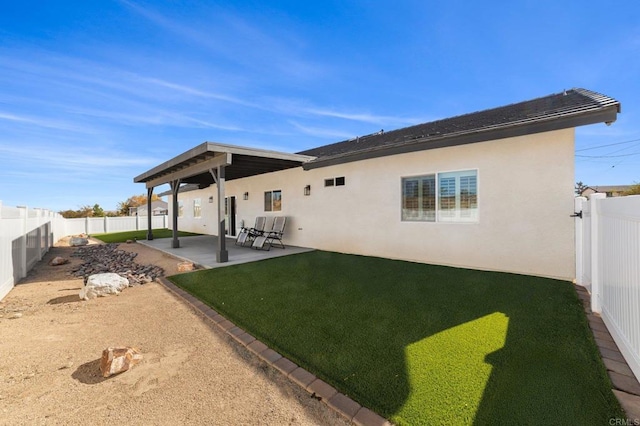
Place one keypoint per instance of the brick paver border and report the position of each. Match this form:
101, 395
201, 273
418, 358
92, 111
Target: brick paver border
316, 388
625, 385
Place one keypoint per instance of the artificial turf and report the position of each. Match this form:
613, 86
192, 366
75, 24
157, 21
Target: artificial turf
121, 237
422, 344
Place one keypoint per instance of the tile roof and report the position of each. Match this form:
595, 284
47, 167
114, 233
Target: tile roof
569, 108
609, 188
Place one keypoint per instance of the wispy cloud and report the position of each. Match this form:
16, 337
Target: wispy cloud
75, 158
364, 117
43, 122
201, 93
153, 117
321, 132
186, 31
271, 50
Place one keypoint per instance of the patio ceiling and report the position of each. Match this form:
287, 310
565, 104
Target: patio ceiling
194, 166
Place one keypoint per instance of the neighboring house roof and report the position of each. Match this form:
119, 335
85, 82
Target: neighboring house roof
571, 108
184, 188
608, 188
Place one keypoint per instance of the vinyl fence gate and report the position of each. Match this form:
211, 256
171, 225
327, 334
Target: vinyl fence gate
608, 265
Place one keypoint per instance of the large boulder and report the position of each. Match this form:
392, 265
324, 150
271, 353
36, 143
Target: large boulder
102, 285
78, 241
56, 261
186, 266
118, 360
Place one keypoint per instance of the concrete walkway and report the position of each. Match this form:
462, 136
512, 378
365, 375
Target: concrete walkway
201, 250
625, 385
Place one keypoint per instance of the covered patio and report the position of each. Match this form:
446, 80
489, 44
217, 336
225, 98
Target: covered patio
207, 164
197, 249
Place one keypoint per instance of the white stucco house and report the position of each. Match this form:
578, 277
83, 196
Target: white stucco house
158, 208
490, 190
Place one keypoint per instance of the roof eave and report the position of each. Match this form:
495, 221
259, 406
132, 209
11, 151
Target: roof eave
209, 149
603, 115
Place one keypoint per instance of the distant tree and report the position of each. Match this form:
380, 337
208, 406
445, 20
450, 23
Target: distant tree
97, 211
133, 201
580, 187
634, 190
84, 211
69, 214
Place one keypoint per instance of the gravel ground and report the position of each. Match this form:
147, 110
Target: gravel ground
51, 343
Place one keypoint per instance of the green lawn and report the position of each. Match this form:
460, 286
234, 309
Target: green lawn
422, 344
121, 237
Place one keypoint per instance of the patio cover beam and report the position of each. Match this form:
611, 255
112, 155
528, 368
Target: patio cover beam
219, 159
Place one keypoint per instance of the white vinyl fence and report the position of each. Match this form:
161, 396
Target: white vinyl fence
104, 225
27, 234
608, 265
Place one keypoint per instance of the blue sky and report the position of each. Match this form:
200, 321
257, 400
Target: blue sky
93, 93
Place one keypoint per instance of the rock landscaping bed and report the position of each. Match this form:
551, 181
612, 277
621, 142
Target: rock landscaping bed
102, 258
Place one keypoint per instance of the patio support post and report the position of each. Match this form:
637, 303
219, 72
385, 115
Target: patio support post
149, 225
219, 177
175, 186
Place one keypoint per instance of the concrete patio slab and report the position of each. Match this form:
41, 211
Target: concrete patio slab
201, 250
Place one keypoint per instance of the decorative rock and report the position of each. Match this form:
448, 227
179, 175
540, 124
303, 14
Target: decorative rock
100, 258
102, 285
130, 241
58, 261
185, 266
78, 241
15, 315
118, 360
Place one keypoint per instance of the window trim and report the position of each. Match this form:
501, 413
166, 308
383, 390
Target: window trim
438, 217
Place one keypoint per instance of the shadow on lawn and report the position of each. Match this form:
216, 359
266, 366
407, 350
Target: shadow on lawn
418, 343
537, 367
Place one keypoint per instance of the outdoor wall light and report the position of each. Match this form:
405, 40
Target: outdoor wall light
307, 190
246, 196
211, 199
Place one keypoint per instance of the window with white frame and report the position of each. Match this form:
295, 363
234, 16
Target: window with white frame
197, 208
273, 201
441, 197
180, 209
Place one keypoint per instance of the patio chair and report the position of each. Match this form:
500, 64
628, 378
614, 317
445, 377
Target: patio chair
248, 235
268, 238
242, 236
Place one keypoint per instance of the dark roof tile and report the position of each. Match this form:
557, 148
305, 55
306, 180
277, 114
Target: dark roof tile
568, 103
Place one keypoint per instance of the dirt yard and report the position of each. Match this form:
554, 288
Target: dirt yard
51, 343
